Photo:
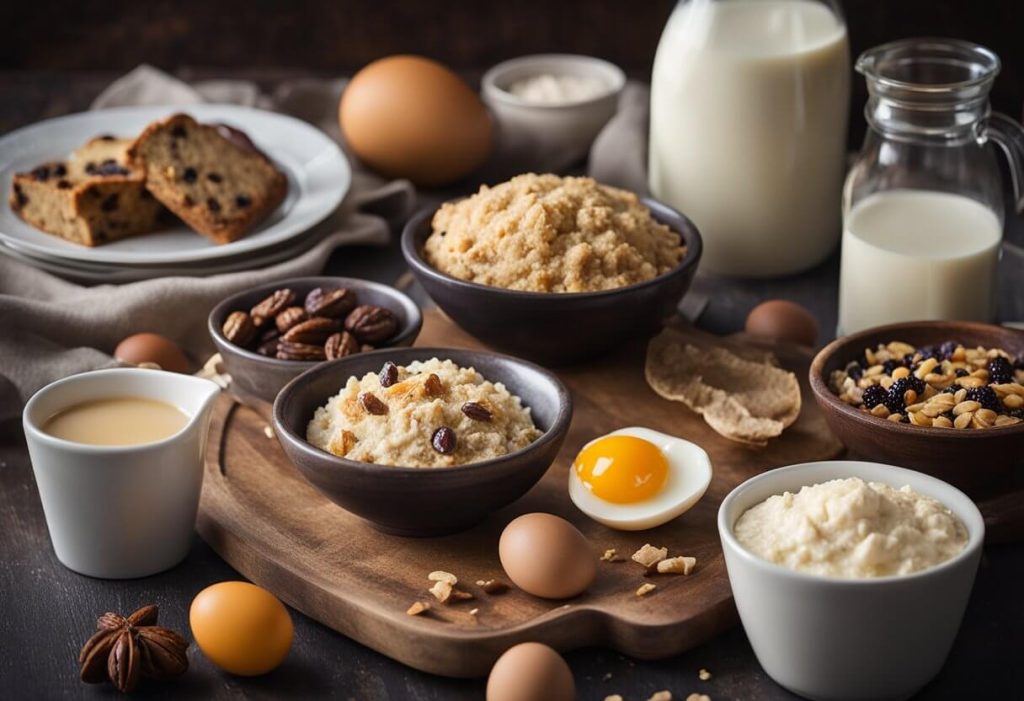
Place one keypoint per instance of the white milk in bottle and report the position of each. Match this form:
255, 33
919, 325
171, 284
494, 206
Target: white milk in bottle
749, 106
918, 254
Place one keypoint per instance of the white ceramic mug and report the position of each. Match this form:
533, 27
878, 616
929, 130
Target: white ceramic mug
120, 511
844, 639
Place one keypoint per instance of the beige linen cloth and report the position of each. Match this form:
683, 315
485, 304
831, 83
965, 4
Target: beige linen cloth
53, 328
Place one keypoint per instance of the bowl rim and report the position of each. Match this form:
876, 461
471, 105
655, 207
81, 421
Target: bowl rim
683, 227
558, 426
823, 393
969, 516
490, 87
412, 327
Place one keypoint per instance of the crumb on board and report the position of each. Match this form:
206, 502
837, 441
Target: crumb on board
703, 675
613, 697
492, 586
698, 697
268, 431
649, 556
646, 589
663, 695
677, 565
417, 608
442, 576
610, 555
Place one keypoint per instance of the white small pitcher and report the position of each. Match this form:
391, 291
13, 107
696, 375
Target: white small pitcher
118, 512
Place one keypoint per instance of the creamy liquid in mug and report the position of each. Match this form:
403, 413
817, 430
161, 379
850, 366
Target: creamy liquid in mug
748, 130
917, 255
117, 421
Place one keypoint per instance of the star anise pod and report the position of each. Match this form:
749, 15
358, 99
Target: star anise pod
126, 649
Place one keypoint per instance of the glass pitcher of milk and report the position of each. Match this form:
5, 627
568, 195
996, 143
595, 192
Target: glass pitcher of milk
749, 102
923, 205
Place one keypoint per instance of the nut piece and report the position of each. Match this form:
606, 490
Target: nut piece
417, 608
340, 344
371, 324
460, 595
443, 440
476, 411
649, 556
330, 303
698, 697
372, 404
492, 586
289, 317
271, 306
287, 350
677, 565
239, 328
268, 343
442, 576
703, 675
610, 555
664, 695
646, 589
313, 331
441, 590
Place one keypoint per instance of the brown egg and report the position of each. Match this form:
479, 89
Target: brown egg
547, 556
529, 672
152, 348
781, 320
410, 117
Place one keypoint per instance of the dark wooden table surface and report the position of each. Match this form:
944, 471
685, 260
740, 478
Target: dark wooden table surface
46, 611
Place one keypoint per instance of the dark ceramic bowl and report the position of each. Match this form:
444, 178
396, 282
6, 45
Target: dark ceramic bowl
557, 328
263, 377
978, 461
424, 501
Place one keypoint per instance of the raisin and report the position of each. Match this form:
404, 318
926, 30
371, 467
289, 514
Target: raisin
241, 201
20, 198
90, 168
213, 204
110, 203
63, 184
60, 170
179, 132
214, 177
443, 440
189, 175
109, 167
41, 173
388, 374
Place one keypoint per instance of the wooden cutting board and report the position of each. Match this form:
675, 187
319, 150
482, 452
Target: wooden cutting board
275, 528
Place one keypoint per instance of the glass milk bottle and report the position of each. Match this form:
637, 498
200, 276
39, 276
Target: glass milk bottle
749, 102
923, 205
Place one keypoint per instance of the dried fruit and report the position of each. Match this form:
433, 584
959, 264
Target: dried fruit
432, 386
476, 411
239, 329
388, 374
372, 404
371, 324
443, 440
340, 344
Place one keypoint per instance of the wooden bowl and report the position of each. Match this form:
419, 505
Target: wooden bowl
558, 328
978, 461
415, 501
262, 377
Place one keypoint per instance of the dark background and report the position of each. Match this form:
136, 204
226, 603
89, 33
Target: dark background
233, 37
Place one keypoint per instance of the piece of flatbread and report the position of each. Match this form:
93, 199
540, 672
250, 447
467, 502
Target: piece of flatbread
741, 399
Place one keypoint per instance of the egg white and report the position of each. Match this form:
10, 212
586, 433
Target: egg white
689, 474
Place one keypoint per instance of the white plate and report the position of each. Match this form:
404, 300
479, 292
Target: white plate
318, 178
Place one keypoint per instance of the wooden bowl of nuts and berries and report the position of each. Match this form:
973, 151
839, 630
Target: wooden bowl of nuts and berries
942, 397
271, 334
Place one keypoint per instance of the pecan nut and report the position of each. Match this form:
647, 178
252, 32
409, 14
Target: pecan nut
271, 306
288, 350
239, 329
340, 344
267, 344
313, 331
123, 664
165, 652
371, 324
330, 303
289, 317
372, 404
476, 411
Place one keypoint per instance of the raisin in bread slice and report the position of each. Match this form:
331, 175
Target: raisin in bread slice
92, 198
216, 183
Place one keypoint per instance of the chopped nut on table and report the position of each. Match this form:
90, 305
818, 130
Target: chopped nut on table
649, 556
703, 675
613, 697
698, 697
646, 589
417, 608
492, 586
664, 695
442, 591
442, 576
677, 565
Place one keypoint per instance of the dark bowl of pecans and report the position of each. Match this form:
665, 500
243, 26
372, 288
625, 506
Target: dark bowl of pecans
942, 397
424, 501
269, 335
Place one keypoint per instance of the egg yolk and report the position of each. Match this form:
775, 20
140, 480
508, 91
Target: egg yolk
622, 469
